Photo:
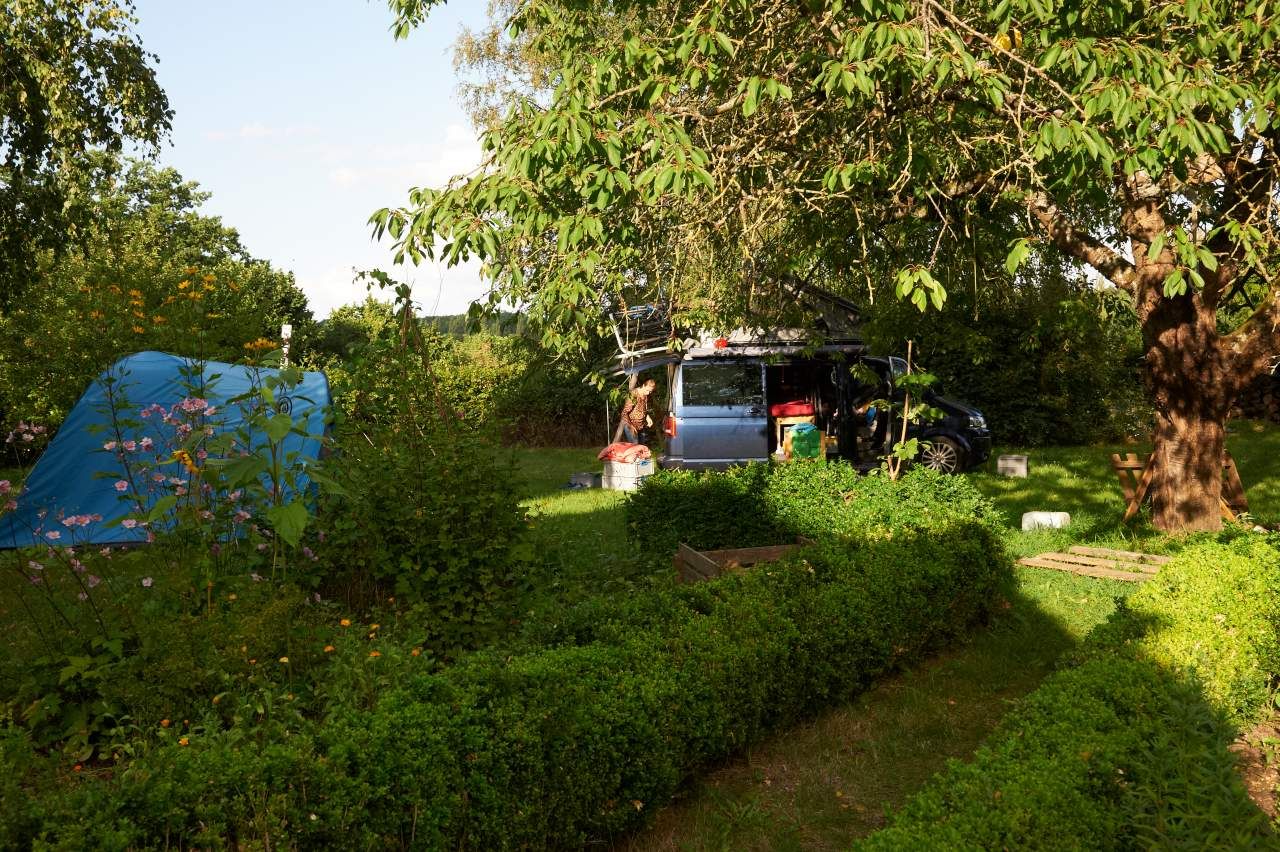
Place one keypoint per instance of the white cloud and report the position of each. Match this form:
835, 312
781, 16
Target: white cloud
401, 165
257, 131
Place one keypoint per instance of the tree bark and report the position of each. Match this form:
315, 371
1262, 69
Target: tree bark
1192, 390
1189, 375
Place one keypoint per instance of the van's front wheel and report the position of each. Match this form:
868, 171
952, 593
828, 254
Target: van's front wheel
943, 455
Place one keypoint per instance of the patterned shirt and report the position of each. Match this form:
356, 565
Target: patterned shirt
636, 411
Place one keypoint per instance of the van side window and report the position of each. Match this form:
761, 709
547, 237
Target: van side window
722, 384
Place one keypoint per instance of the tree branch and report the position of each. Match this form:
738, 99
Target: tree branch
1081, 245
1256, 343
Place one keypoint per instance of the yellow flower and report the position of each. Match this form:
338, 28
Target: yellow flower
284, 659
182, 741
328, 649
182, 285
185, 457
137, 329
415, 652
231, 596
190, 270
209, 278
158, 319
346, 622
137, 294
217, 698
374, 626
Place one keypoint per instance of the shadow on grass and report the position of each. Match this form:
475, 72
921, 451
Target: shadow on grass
828, 782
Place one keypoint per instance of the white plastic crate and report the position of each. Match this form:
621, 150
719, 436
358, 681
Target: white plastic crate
626, 476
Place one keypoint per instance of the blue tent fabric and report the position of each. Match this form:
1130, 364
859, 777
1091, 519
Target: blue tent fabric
76, 477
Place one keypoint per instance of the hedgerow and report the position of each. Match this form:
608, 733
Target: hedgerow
1129, 748
557, 745
761, 504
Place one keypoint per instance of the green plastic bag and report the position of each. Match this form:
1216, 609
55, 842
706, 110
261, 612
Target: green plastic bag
806, 441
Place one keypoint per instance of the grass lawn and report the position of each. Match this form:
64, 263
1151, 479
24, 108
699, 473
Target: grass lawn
833, 780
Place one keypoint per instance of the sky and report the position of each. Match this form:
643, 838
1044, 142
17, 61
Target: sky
302, 117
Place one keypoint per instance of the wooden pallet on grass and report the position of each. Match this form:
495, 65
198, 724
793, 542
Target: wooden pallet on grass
1100, 562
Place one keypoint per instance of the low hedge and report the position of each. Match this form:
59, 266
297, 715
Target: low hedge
762, 504
555, 746
1129, 748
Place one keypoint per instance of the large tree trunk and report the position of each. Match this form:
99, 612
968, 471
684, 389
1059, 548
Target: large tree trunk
1192, 386
1189, 374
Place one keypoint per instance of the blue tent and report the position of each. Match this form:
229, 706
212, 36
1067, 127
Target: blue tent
77, 474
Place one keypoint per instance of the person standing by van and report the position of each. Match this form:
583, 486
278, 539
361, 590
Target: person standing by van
635, 413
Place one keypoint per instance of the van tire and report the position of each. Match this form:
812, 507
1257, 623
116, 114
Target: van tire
943, 455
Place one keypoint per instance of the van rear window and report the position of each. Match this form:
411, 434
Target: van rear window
723, 384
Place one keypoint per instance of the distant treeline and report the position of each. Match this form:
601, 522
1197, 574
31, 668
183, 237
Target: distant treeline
459, 325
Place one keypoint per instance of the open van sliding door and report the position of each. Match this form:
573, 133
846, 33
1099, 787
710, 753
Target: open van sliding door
721, 413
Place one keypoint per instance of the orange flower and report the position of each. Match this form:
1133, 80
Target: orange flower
77, 768
346, 622
184, 741
415, 652
137, 329
328, 649
375, 653
164, 723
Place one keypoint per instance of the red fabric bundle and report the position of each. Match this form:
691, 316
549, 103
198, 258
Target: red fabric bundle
621, 451
795, 408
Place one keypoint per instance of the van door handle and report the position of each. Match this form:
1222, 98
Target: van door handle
755, 411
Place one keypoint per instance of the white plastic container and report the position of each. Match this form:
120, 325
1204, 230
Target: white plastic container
626, 476
1045, 520
1012, 466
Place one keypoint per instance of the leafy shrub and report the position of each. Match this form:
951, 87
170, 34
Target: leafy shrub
552, 746
1129, 749
425, 508
761, 504
1052, 362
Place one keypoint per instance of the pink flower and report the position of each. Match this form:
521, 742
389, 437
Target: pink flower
210, 411
82, 596
241, 516
5, 486
106, 551
205, 514
35, 566
93, 581
234, 495
146, 443
53, 535
77, 566
109, 446
129, 523
202, 454
122, 485
146, 582
10, 505
157, 477
130, 446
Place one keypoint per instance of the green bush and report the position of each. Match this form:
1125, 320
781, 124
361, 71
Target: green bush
426, 508
1129, 749
554, 746
761, 504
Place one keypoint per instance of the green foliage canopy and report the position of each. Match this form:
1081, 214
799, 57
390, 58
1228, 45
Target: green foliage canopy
73, 77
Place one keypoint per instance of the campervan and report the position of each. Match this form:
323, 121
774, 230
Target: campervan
732, 400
